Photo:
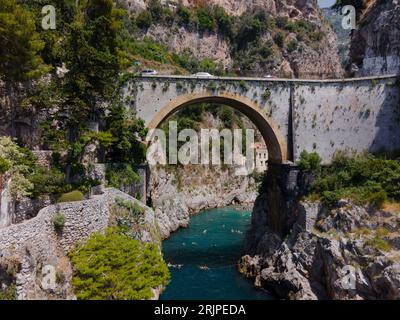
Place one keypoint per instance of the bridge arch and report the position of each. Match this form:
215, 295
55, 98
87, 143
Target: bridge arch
275, 141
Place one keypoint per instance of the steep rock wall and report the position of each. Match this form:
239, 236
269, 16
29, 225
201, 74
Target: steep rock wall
318, 60
375, 45
323, 253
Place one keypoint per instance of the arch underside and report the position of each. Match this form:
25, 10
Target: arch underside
276, 144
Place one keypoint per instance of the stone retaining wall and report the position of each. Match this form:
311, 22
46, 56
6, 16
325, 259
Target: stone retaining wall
35, 244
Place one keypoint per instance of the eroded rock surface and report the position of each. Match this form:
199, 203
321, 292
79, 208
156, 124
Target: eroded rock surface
346, 254
318, 59
375, 45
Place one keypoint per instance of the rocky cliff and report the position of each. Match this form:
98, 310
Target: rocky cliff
375, 45
304, 45
351, 252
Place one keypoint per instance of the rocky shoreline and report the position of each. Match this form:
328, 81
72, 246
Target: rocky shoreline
350, 252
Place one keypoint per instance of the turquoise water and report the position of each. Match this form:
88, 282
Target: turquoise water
214, 239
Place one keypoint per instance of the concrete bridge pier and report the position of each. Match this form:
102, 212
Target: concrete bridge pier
284, 185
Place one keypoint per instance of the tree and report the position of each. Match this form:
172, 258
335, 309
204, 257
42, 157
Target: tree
92, 60
309, 161
250, 29
127, 132
20, 45
156, 10
205, 19
17, 162
144, 20
114, 266
224, 21
184, 14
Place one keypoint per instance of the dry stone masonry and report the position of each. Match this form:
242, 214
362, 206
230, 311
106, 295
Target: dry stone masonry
34, 245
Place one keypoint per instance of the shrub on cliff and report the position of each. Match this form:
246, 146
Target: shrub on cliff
20, 162
309, 161
114, 266
205, 18
58, 221
364, 179
184, 15
119, 176
47, 181
4, 165
144, 20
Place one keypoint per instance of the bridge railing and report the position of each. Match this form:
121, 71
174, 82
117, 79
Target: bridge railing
218, 78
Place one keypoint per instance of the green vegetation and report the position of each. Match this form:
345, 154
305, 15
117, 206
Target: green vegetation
212, 85
363, 179
292, 46
116, 267
20, 44
266, 94
9, 293
191, 116
121, 175
243, 33
4, 165
89, 41
129, 216
144, 20
134, 207
126, 130
58, 221
206, 20
379, 244
71, 196
8, 271
279, 39
310, 162
243, 85
47, 181
18, 162
33, 180
150, 50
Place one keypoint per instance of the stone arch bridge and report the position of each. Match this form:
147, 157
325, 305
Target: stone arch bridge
357, 115
325, 116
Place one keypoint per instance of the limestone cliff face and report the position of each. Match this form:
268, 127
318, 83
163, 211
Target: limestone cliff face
291, 8
375, 45
350, 252
318, 59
